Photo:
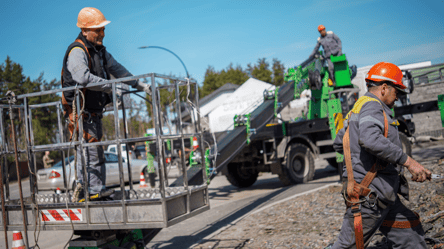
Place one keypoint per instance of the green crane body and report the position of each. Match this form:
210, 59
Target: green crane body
441, 107
322, 104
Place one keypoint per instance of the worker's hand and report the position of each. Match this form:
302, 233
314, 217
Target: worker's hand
143, 87
119, 98
419, 173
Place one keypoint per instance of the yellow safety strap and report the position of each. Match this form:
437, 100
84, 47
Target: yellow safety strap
358, 105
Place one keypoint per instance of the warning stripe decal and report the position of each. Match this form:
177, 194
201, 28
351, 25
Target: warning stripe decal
55, 215
338, 121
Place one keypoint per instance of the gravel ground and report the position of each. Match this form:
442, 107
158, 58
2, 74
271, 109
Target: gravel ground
314, 220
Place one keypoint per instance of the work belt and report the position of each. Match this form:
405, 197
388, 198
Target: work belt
87, 117
357, 193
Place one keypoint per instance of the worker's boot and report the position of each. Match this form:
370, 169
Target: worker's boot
78, 193
101, 196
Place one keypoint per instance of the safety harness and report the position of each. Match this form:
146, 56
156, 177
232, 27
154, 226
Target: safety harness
70, 111
360, 192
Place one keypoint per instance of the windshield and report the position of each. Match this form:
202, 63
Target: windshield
59, 164
140, 147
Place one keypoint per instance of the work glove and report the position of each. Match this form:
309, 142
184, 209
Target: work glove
119, 98
143, 87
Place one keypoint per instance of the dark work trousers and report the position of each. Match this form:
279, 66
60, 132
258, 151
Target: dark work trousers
94, 157
331, 71
372, 219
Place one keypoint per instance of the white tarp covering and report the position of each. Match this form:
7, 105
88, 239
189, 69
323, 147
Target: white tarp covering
213, 104
244, 100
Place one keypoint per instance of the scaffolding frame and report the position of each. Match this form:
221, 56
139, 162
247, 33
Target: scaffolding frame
127, 213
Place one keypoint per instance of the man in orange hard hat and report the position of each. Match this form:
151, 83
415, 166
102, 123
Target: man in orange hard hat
373, 176
87, 61
332, 46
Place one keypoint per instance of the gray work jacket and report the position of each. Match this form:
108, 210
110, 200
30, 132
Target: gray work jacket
330, 43
367, 143
78, 67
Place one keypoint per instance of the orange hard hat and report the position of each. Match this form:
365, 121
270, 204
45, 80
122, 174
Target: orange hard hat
321, 27
90, 17
386, 71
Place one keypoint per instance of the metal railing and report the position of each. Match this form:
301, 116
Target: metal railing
174, 208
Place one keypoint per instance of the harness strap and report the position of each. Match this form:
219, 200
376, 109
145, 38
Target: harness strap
68, 109
356, 190
402, 224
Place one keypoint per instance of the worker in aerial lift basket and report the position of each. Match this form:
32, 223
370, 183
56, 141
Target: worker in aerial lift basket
332, 46
87, 61
374, 172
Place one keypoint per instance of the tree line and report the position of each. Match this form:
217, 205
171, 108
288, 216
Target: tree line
262, 70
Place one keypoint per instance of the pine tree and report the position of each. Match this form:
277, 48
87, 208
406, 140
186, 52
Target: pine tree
44, 120
260, 71
278, 72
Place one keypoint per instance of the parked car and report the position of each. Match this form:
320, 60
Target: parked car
52, 178
140, 152
112, 148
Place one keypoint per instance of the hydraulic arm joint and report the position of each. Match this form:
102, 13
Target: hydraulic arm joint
244, 120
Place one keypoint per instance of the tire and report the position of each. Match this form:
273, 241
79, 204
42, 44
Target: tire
241, 176
405, 144
298, 165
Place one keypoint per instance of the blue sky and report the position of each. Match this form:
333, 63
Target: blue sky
217, 33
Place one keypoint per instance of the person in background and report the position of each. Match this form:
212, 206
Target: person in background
47, 161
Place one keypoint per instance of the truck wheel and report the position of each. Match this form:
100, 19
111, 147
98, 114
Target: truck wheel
241, 175
405, 144
298, 166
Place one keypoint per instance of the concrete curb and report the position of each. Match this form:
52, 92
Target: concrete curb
260, 210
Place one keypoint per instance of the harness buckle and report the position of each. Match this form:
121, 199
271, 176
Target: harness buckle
88, 119
372, 198
356, 208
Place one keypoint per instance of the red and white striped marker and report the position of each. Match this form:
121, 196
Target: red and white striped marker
58, 191
195, 143
142, 181
58, 215
17, 240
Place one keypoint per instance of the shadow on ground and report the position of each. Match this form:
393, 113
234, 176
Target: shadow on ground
250, 204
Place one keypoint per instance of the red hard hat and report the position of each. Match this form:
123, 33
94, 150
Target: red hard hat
321, 27
386, 71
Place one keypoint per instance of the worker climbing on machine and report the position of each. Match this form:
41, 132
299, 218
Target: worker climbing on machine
374, 168
332, 46
87, 61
